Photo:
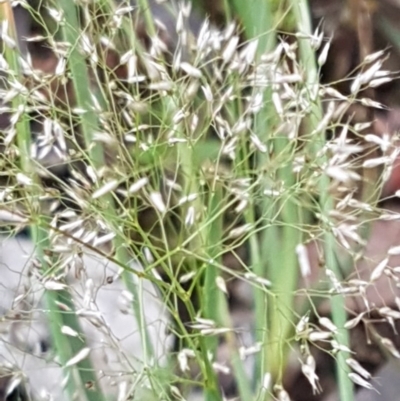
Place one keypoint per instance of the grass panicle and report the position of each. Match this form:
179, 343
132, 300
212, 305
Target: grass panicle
221, 160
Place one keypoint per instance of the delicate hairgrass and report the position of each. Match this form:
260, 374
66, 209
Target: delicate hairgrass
187, 178
80, 78
66, 347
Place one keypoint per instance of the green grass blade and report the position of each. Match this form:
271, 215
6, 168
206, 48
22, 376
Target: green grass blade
302, 13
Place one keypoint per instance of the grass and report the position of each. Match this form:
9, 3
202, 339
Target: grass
213, 151
65, 350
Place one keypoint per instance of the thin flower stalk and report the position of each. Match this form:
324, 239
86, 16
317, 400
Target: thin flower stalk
243, 382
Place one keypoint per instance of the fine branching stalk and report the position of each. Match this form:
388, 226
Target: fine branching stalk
81, 82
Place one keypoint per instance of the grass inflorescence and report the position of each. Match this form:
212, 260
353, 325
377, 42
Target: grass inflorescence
191, 160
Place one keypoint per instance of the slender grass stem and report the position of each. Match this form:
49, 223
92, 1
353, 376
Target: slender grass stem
302, 14
257, 20
148, 17
211, 293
